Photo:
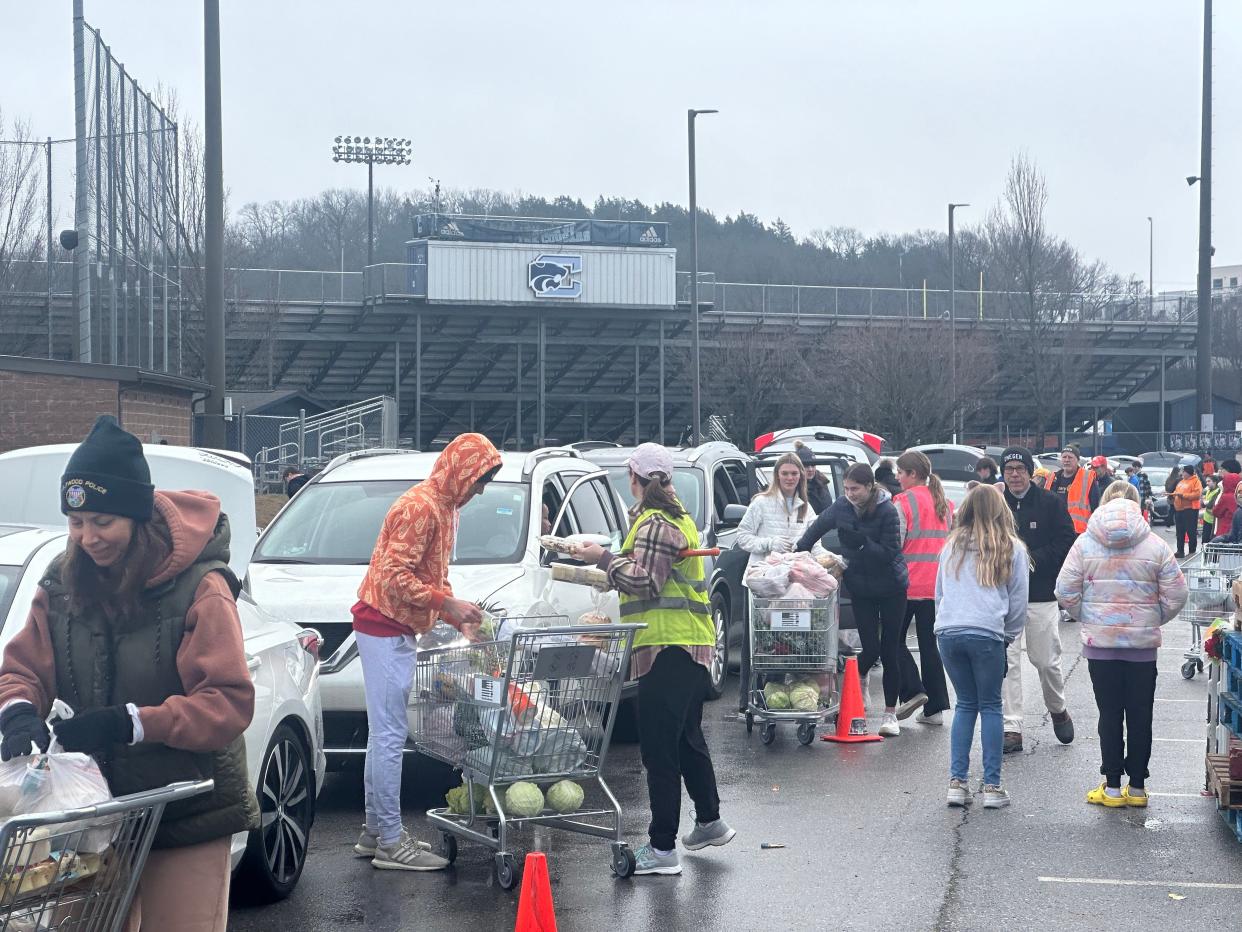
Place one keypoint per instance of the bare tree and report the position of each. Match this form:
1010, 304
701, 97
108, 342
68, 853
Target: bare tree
22, 239
751, 378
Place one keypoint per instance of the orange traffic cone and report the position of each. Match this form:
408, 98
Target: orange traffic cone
535, 905
852, 717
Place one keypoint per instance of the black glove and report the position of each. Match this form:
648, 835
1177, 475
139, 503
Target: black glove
21, 726
851, 539
95, 730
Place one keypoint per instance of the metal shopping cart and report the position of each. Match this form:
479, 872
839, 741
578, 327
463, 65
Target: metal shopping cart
78, 869
1210, 574
793, 643
538, 707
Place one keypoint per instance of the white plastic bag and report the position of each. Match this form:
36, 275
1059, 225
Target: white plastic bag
52, 782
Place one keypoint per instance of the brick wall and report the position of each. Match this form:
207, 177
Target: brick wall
36, 409
150, 413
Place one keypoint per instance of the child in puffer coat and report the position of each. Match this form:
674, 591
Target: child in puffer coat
1122, 582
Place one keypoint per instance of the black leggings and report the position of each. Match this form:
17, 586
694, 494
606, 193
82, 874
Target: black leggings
923, 613
1187, 523
880, 623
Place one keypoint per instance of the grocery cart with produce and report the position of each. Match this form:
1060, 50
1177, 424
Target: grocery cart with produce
527, 718
1210, 575
793, 653
74, 868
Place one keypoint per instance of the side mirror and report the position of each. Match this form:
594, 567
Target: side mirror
733, 515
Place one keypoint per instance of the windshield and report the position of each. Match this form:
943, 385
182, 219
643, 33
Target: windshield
9, 575
339, 522
1157, 475
688, 484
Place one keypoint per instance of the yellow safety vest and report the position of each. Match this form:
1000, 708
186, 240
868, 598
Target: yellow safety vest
681, 614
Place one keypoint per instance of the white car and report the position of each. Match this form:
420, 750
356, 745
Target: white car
842, 441
951, 460
309, 562
284, 743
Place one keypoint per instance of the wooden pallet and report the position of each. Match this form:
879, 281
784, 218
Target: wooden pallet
1228, 792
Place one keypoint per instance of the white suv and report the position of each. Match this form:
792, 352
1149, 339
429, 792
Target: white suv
309, 562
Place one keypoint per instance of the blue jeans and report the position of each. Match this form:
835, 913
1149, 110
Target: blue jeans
976, 666
387, 676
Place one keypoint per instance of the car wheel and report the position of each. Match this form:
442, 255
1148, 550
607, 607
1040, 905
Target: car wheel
720, 659
276, 850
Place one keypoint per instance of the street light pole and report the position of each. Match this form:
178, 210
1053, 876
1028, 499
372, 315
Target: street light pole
1203, 345
695, 390
213, 239
1151, 268
953, 316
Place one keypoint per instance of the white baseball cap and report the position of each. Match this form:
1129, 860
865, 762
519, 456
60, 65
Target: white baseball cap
649, 458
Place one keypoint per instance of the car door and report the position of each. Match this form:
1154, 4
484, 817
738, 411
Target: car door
587, 506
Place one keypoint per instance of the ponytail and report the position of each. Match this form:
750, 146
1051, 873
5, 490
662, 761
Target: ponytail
658, 495
916, 461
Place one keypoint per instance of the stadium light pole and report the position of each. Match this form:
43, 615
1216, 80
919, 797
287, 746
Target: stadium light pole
382, 150
1203, 337
1151, 267
696, 401
213, 239
953, 315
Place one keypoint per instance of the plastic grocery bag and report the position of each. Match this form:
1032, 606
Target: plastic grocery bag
53, 782
768, 580
806, 571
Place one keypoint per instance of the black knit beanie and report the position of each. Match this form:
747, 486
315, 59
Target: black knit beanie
108, 474
1018, 455
805, 454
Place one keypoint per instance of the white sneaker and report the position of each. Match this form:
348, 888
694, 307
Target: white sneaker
889, 726
959, 793
995, 797
936, 718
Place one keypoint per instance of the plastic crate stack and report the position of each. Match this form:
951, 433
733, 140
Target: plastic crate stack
1225, 731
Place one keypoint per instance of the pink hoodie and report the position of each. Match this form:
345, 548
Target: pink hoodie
1121, 581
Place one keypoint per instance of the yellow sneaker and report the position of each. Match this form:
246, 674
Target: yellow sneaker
1098, 797
1134, 797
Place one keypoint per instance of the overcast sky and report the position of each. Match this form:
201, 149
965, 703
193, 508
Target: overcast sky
871, 113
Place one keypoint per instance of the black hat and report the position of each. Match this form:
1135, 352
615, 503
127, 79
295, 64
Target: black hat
1018, 455
805, 454
108, 474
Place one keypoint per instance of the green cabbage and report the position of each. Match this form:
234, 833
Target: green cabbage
565, 796
775, 696
524, 799
804, 698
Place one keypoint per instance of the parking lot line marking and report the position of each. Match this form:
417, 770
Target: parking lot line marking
1179, 795
1181, 740
1109, 882
1158, 699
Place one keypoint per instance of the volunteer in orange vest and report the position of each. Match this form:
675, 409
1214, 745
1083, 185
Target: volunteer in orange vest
926, 518
1077, 486
1186, 501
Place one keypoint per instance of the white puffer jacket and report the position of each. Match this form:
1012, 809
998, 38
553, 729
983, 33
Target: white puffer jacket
1121, 580
768, 520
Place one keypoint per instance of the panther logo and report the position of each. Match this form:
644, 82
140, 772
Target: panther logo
556, 276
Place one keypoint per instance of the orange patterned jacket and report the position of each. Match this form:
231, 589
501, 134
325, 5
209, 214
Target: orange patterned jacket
408, 577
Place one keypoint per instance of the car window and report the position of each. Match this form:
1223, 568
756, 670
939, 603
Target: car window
588, 512
736, 470
339, 523
953, 464
9, 576
550, 500
687, 483
723, 493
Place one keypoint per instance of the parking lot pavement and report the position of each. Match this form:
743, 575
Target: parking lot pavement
869, 841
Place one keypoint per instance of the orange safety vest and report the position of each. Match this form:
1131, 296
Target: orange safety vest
925, 537
1077, 497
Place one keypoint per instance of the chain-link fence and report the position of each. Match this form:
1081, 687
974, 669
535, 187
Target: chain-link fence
1222, 444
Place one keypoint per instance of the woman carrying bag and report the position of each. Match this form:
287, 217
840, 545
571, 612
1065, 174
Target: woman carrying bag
869, 530
671, 657
135, 627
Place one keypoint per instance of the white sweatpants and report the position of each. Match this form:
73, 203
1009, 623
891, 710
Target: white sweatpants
1042, 638
387, 676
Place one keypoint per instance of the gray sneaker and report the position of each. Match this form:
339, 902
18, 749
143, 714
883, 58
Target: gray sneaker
648, 862
959, 793
708, 833
910, 706
995, 796
407, 855
367, 843
1063, 727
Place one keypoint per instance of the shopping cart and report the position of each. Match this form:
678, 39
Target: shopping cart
538, 707
792, 641
78, 869
1210, 574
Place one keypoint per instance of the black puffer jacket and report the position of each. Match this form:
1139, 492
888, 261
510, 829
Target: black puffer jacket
819, 497
871, 543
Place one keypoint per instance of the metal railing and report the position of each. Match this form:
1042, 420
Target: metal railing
313, 441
